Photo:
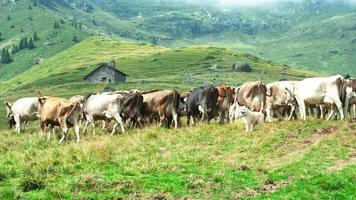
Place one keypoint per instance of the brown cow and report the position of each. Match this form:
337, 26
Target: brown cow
59, 112
183, 102
252, 95
225, 100
162, 104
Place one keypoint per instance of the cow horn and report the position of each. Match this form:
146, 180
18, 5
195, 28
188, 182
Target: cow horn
39, 93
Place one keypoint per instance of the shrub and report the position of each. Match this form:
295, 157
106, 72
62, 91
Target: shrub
242, 67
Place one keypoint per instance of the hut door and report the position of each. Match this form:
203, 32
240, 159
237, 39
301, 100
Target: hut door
103, 79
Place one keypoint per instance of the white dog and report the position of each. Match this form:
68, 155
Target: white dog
250, 118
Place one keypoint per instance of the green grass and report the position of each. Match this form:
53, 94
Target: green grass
280, 160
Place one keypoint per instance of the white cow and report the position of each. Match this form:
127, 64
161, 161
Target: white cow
104, 107
281, 97
24, 109
319, 90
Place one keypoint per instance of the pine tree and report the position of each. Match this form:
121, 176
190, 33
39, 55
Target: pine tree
154, 40
29, 7
30, 44
8, 18
1, 36
5, 57
35, 37
56, 25
23, 43
75, 39
15, 49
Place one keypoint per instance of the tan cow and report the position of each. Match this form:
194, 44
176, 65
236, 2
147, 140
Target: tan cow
252, 95
59, 112
280, 99
225, 100
162, 104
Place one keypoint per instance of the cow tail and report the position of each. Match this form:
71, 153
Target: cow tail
268, 90
342, 90
71, 110
176, 98
7, 104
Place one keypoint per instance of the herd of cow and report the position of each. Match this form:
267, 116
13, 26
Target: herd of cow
252, 101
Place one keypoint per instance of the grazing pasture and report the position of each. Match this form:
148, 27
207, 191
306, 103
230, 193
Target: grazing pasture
296, 159
314, 159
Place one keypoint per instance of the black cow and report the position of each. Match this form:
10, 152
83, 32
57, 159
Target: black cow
202, 102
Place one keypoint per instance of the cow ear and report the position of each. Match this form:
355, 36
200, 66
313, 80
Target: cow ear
42, 100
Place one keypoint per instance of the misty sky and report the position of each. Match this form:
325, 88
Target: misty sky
260, 2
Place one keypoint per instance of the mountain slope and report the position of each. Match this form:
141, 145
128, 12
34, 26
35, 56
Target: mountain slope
23, 18
318, 35
146, 63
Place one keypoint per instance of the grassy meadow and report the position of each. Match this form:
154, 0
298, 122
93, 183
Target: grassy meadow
314, 159
282, 160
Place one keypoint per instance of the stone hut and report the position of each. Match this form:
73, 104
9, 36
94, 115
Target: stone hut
106, 72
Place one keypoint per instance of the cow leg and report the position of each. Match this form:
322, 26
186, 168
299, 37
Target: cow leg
77, 130
302, 109
51, 130
118, 121
18, 123
42, 127
64, 127
85, 126
322, 112
188, 118
346, 108
332, 112
292, 110
339, 107
175, 119
269, 113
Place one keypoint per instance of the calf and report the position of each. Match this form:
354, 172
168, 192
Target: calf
202, 102
24, 109
59, 112
162, 104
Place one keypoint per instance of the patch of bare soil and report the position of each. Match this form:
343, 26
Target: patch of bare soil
341, 164
269, 186
327, 131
